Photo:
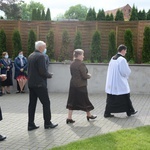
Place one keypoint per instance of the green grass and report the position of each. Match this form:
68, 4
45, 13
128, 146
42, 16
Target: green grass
128, 139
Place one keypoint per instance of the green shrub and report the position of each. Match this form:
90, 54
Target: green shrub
2, 41
146, 45
64, 51
112, 44
31, 41
78, 40
95, 47
16, 40
50, 44
128, 40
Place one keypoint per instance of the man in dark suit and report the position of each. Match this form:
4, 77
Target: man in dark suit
37, 83
2, 78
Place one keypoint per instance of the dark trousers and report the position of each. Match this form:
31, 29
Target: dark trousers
42, 94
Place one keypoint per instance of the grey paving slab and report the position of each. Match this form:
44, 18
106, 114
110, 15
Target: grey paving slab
14, 124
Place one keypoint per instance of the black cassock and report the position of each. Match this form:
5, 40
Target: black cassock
118, 104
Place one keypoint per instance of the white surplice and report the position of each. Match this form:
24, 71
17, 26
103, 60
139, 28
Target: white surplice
117, 77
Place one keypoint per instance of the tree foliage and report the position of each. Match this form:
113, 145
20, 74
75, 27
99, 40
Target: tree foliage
16, 39
50, 44
31, 41
2, 41
142, 15
43, 15
48, 15
91, 15
95, 47
148, 15
112, 44
11, 8
109, 17
64, 51
146, 45
76, 12
119, 16
27, 9
134, 14
101, 15
128, 40
78, 40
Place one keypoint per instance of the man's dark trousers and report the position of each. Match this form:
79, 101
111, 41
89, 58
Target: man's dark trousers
42, 94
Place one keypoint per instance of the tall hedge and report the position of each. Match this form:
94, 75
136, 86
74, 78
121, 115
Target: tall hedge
112, 44
146, 45
128, 40
2, 41
64, 51
16, 40
50, 44
96, 47
78, 40
31, 42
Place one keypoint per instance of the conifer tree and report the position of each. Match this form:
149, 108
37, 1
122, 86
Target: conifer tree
134, 14
101, 15
142, 15
64, 51
16, 39
91, 15
43, 15
2, 41
50, 44
34, 14
112, 44
128, 40
48, 15
119, 16
96, 47
111, 17
78, 40
146, 45
39, 15
148, 15
31, 41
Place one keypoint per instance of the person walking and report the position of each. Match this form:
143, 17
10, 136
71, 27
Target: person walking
37, 83
117, 87
78, 94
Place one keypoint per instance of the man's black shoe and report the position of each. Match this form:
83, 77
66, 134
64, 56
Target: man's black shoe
51, 125
108, 115
30, 128
133, 113
2, 138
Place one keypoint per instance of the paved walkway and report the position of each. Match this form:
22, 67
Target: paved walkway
14, 124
